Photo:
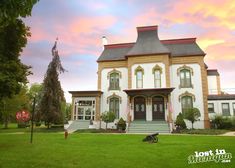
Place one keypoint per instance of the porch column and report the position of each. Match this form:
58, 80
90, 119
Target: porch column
97, 108
128, 110
73, 107
170, 111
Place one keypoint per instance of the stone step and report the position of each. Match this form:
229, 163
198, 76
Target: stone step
149, 127
77, 125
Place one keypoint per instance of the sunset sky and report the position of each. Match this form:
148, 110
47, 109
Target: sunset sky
79, 25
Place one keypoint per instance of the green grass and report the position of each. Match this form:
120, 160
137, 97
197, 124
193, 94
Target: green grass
107, 150
205, 131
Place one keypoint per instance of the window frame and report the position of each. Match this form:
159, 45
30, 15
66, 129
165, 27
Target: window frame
183, 81
115, 84
182, 101
155, 78
141, 80
223, 112
211, 107
116, 106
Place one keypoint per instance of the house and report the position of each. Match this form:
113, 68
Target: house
148, 83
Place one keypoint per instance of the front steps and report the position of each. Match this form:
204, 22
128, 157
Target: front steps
77, 125
148, 127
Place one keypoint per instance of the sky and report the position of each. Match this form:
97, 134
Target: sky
80, 25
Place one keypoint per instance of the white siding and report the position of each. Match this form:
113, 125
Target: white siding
212, 85
218, 107
123, 84
196, 90
148, 77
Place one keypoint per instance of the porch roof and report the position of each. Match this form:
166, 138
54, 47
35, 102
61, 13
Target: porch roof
85, 93
149, 91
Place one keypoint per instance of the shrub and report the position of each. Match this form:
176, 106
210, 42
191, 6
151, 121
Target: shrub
180, 124
192, 114
108, 117
223, 123
121, 125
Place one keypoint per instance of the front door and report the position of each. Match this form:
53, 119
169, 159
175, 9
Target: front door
139, 108
158, 112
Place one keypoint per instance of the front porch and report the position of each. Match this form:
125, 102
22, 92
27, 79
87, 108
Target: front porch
149, 104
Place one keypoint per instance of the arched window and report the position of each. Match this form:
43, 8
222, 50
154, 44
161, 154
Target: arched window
185, 78
139, 79
157, 78
114, 106
114, 81
186, 103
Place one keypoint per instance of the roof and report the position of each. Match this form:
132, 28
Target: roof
221, 97
148, 91
148, 43
212, 72
86, 93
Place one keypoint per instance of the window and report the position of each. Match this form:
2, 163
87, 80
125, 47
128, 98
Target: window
114, 106
186, 103
84, 110
225, 109
185, 78
114, 81
234, 109
157, 78
139, 79
211, 108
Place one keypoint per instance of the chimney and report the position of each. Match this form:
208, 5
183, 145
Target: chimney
104, 41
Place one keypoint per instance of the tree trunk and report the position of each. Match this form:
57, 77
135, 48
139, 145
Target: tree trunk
192, 125
106, 126
6, 122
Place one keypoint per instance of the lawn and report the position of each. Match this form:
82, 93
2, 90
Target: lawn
83, 150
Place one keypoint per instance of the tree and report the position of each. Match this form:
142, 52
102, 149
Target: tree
180, 121
108, 117
192, 114
35, 91
52, 93
9, 106
13, 73
13, 37
13, 9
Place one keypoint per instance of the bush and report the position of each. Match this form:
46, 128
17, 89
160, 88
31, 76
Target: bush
38, 124
219, 122
180, 124
23, 125
108, 117
121, 125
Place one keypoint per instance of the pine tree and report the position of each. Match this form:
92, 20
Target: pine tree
52, 94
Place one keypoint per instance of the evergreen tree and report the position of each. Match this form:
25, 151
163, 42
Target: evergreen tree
52, 93
180, 121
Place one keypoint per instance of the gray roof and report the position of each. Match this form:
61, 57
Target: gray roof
148, 43
114, 54
184, 49
221, 97
212, 72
